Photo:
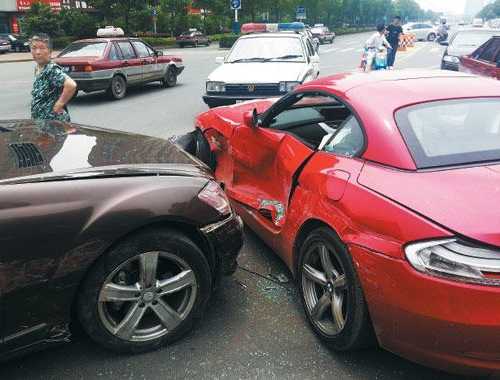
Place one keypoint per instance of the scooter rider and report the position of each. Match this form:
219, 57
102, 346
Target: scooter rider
443, 31
374, 44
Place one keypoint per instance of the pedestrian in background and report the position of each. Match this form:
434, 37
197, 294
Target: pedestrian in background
393, 32
52, 88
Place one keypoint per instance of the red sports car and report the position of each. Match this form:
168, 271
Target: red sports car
381, 193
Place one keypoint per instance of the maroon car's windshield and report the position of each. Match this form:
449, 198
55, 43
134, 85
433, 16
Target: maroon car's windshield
84, 49
453, 132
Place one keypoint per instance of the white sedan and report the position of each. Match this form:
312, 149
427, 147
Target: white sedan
423, 31
262, 65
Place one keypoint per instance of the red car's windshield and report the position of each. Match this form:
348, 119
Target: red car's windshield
452, 132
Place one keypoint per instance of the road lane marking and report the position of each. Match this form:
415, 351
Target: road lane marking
346, 50
321, 51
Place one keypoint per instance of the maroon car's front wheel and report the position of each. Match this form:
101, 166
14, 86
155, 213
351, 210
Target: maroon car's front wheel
146, 292
331, 293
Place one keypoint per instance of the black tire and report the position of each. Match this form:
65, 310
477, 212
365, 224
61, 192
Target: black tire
89, 307
202, 150
170, 78
118, 88
356, 331
431, 37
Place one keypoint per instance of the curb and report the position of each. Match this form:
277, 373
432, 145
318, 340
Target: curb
16, 60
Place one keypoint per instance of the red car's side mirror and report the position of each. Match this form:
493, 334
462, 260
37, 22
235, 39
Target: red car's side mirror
251, 119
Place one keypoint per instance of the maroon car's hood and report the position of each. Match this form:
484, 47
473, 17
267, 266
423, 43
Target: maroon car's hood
30, 148
464, 200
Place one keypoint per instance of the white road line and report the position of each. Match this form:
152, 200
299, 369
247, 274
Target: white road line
322, 51
346, 50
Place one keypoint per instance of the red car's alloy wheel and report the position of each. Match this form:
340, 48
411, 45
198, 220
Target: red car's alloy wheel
331, 292
324, 286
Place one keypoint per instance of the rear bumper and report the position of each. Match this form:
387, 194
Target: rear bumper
225, 239
224, 100
90, 85
439, 323
94, 81
5, 48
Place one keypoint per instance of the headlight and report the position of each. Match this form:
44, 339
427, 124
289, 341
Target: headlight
451, 59
455, 260
214, 196
26, 44
288, 86
216, 87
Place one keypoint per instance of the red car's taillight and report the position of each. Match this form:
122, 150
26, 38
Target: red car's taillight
214, 196
83, 68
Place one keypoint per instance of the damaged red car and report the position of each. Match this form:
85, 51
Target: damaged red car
127, 235
380, 193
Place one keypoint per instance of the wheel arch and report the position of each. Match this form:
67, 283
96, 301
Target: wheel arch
305, 229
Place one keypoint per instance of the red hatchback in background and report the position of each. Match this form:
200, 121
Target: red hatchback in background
485, 61
385, 208
113, 64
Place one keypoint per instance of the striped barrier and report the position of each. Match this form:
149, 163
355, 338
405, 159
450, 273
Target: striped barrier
406, 41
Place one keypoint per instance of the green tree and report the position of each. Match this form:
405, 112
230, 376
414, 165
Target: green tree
40, 19
78, 23
490, 11
119, 12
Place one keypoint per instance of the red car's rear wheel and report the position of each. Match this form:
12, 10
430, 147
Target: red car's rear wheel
331, 293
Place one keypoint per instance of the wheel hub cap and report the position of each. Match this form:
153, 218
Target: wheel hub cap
148, 296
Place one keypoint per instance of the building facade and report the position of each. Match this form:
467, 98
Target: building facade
12, 10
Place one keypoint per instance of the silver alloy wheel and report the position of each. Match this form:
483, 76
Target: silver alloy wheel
324, 286
147, 296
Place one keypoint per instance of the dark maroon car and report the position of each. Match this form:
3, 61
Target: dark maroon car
126, 234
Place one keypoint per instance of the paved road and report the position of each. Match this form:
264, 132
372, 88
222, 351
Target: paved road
162, 112
255, 327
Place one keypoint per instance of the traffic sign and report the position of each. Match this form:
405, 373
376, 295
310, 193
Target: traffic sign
301, 13
235, 4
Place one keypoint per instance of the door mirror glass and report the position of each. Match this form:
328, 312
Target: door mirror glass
158, 53
219, 60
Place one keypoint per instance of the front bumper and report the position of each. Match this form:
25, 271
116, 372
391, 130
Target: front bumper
449, 66
444, 324
225, 239
5, 48
180, 69
226, 100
